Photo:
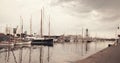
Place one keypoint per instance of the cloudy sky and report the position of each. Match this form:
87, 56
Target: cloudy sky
101, 17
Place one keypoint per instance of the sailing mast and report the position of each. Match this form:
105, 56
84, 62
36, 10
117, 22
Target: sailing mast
41, 22
21, 24
31, 25
6, 29
49, 27
21, 27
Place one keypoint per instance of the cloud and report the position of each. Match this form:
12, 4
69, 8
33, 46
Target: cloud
106, 12
102, 4
109, 9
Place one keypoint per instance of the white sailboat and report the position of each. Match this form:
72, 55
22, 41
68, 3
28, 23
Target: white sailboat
22, 42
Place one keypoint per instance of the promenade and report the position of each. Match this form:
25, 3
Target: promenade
108, 55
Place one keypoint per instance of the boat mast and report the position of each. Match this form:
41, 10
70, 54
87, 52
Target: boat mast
41, 27
21, 27
49, 27
6, 29
31, 25
21, 24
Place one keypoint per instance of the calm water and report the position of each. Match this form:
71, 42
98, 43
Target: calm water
59, 53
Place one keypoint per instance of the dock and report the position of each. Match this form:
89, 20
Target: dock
108, 55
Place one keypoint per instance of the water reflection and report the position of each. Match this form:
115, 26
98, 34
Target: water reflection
60, 53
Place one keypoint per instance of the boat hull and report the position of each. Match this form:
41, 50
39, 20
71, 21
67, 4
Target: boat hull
6, 44
45, 42
23, 43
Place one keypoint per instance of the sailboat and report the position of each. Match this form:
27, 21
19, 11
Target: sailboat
41, 40
22, 41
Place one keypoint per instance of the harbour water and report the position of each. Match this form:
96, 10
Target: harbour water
59, 53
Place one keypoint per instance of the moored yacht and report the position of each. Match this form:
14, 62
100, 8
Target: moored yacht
41, 40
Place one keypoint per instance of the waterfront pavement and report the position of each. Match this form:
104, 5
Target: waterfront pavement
108, 55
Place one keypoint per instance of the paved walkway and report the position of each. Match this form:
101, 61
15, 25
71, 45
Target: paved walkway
108, 55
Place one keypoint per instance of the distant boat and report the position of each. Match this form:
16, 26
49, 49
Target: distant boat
89, 41
41, 40
6, 44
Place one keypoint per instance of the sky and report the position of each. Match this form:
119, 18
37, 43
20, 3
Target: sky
101, 17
